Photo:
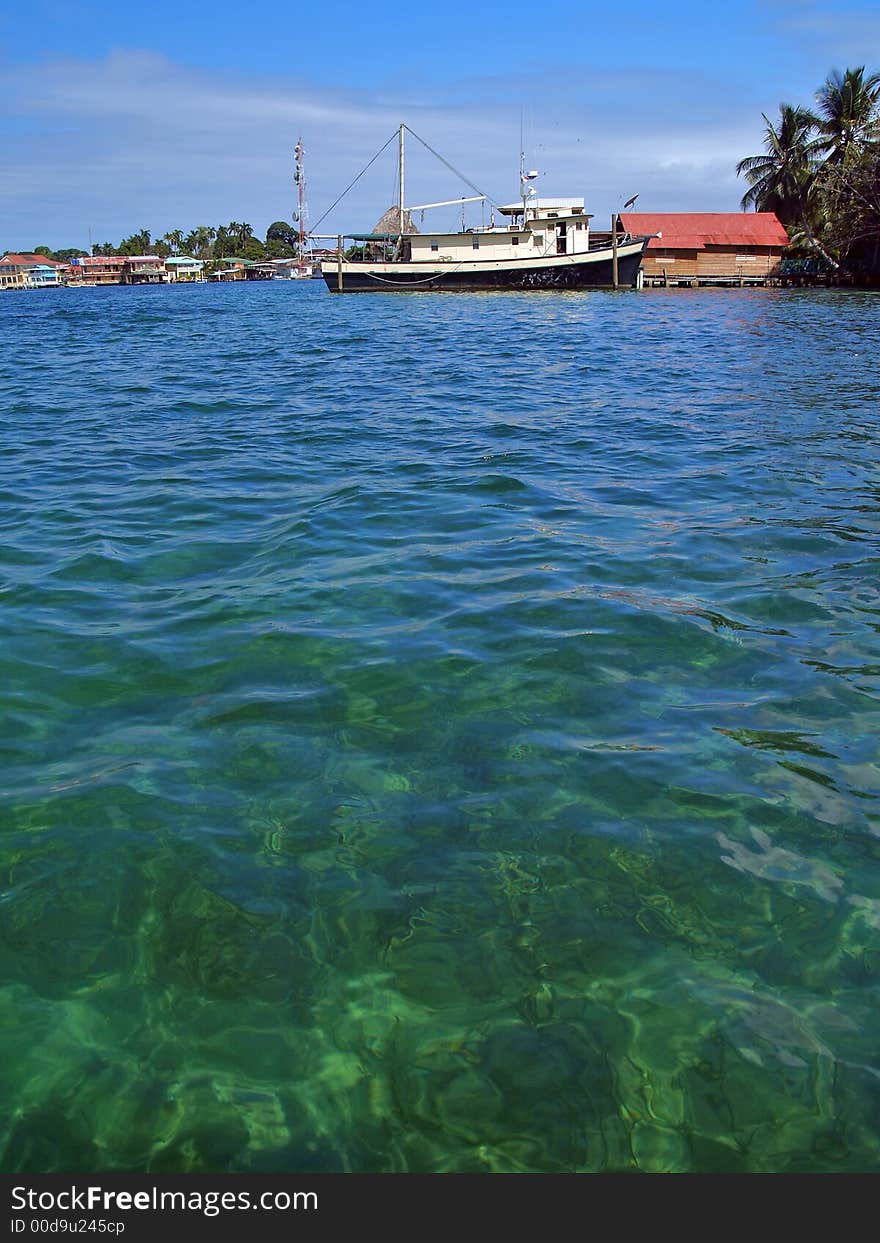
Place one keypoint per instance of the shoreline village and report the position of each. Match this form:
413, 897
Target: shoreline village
683, 249
810, 216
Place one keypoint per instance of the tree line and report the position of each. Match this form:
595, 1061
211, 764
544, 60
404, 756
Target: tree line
820, 173
203, 242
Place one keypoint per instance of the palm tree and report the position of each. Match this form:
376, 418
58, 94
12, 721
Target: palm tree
849, 120
223, 241
198, 241
174, 240
783, 180
137, 244
780, 180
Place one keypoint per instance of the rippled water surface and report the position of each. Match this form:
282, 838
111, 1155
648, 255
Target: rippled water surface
439, 733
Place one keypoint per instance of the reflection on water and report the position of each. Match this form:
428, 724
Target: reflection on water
439, 734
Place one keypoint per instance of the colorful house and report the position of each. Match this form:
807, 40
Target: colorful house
733, 248
185, 268
96, 270
235, 270
11, 273
243, 270
144, 270
29, 271
42, 276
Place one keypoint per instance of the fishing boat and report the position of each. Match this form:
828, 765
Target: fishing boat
542, 243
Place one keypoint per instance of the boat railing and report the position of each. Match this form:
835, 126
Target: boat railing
603, 240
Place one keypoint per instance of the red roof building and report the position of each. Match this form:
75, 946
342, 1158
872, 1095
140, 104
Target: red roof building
730, 247
29, 271
96, 270
30, 261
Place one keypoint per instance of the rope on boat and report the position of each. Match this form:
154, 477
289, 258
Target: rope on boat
387, 144
353, 183
451, 167
412, 284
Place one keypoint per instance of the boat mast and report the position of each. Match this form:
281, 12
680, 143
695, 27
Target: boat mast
522, 164
523, 183
300, 179
400, 184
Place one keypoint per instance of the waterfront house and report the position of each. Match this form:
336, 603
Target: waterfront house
144, 270
284, 269
185, 268
235, 270
11, 273
29, 271
260, 271
42, 276
290, 269
243, 270
733, 248
96, 270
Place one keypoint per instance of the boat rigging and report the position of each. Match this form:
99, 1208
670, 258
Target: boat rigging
545, 244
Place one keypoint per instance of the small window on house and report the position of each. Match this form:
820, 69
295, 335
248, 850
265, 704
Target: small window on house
435, 245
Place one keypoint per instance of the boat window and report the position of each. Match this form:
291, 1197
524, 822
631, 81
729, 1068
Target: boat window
435, 245
476, 242
514, 241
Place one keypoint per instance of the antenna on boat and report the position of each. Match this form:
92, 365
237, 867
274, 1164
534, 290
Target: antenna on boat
525, 190
522, 183
522, 165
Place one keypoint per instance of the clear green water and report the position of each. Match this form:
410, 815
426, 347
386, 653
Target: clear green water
439, 733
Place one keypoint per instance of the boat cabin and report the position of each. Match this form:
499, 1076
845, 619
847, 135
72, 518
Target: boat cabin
551, 227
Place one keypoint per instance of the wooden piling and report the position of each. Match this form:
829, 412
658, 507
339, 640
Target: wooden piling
615, 276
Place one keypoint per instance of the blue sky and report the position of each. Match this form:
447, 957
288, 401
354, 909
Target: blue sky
172, 115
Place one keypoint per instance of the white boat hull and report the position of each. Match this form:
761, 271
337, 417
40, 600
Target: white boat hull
590, 270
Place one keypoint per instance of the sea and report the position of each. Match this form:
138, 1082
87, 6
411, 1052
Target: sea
439, 733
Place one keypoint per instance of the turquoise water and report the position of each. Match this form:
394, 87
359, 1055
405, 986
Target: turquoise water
439, 733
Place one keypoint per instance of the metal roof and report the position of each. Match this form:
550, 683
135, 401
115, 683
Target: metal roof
30, 260
697, 230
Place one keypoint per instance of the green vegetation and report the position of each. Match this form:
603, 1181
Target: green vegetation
202, 242
820, 173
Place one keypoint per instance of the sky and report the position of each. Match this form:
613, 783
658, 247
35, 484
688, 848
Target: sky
169, 115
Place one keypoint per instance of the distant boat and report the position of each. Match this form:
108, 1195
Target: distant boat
290, 270
544, 243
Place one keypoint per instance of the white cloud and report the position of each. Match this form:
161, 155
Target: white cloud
135, 140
